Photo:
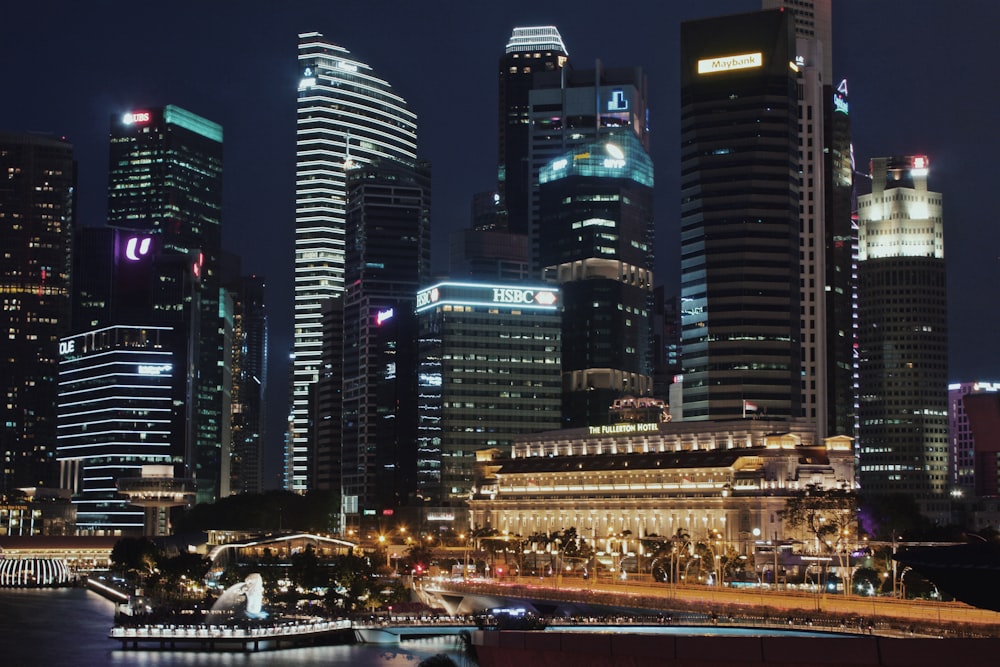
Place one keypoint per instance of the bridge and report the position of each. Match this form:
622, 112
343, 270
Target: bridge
583, 598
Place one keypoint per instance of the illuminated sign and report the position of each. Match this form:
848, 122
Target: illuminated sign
620, 429
612, 163
559, 164
512, 295
132, 117
618, 101
67, 347
839, 104
383, 315
428, 296
729, 63
443, 516
154, 369
136, 248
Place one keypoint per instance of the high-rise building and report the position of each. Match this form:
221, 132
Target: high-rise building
165, 180
740, 239
596, 242
489, 372
346, 115
128, 373
387, 260
529, 50
828, 261
571, 109
36, 227
903, 381
248, 368
122, 405
962, 451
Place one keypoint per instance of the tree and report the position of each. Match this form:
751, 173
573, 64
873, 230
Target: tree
135, 556
827, 515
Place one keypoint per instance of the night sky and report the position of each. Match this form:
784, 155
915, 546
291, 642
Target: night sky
921, 74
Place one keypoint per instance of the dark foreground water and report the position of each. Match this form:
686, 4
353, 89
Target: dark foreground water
69, 626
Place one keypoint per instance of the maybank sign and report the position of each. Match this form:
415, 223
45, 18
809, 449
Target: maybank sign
729, 63
620, 429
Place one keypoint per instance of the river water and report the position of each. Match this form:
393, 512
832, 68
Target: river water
69, 626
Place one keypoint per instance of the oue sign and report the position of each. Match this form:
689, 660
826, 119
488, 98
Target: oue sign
67, 347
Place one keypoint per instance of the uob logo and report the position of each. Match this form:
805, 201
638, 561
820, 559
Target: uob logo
136, 248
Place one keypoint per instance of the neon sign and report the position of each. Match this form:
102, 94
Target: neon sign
509, 295
67, 347
428, 296
383, 315
154, 369
729, 63
132, 117
616, 429
136, 248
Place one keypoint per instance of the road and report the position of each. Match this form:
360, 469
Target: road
832, 603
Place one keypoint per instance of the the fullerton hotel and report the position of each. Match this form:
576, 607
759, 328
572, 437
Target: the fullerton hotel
727, 480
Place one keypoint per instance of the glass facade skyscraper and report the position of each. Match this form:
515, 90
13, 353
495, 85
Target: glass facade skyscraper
346, 115
596, 242
36, 227
740, 162
165, 179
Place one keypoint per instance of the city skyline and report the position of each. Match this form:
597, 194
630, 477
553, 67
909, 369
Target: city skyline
448, 74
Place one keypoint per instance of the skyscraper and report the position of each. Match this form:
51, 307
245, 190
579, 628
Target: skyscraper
529, 50
248, 367
740, 289
828, 261
903, 381
346, 116
489, 372
128, 373
596, 241
165, 179
572, 109
36, 227
388, 259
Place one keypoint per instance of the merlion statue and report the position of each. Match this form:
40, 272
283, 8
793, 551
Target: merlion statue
253, 589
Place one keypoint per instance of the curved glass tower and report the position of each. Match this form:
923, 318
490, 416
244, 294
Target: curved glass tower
346, 115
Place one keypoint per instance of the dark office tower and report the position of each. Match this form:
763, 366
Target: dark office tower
248, 368
346, 116
740, 218
841, 284
328, 401
387, 260
486, 250
666, 335
596, 234
529, 51
828, 265
572, 109
165, 179
37, 181
903, 382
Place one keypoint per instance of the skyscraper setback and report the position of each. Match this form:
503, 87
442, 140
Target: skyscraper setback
346, 115
36, 226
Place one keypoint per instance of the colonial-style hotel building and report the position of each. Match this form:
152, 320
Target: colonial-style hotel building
728, 478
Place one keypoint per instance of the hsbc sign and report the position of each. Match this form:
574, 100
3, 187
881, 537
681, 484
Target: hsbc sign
513, 295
